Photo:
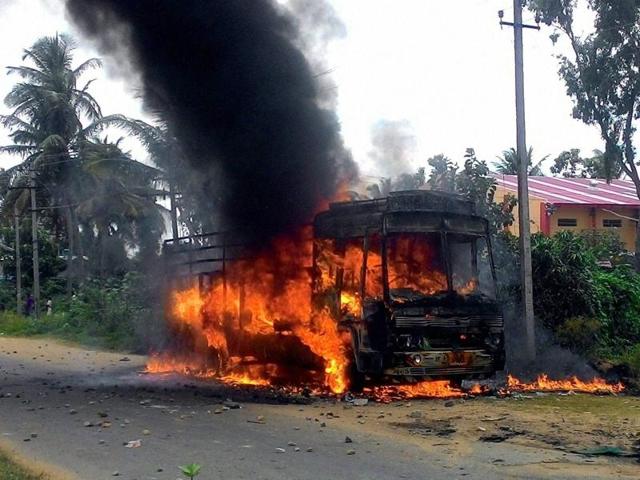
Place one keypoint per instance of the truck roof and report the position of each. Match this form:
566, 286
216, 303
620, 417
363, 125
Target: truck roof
411, 210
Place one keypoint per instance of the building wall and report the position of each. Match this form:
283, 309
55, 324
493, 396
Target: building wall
592, 217
587, 217
534, 211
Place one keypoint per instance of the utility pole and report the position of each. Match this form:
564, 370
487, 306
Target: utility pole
174, 213
523, 182
16, 216
34, 235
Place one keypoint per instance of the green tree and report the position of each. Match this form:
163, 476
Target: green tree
116, 205
507, 164
570, 164
443, 173
602, 75
53, 124
474, 181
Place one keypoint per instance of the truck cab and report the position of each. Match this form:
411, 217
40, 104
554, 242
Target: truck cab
411, 279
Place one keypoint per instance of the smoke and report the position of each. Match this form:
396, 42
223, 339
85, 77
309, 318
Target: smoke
319, 26
393, 144
230, 81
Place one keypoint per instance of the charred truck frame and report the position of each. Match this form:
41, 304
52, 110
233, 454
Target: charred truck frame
427, 284
411, 278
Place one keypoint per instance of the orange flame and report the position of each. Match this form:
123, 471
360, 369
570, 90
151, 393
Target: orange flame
573, 384
424, 389
267, 299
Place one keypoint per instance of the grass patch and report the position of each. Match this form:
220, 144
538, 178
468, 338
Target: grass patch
11, 471
68, 327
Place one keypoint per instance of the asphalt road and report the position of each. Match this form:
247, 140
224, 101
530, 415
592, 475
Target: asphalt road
71, 411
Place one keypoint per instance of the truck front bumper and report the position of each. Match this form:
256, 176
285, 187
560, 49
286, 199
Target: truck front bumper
436, 363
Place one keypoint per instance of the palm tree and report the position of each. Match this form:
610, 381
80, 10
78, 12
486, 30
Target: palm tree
507, 164
116, 202
53, 119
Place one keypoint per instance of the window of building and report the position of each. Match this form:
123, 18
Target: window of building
612, 222
567, 222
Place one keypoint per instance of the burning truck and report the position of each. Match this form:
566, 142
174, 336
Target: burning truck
400, 288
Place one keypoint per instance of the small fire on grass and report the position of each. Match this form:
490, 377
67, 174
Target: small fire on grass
573, 384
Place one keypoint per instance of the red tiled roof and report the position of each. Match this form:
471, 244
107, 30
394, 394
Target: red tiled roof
582, 191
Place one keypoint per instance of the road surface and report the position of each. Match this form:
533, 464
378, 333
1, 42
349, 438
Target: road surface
71, 411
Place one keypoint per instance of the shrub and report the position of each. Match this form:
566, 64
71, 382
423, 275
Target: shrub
579, 333
13, 324
113, 313
632, 359
618, 303
604, 245
563, 278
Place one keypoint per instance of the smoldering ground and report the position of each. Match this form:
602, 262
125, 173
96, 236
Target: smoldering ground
230, 81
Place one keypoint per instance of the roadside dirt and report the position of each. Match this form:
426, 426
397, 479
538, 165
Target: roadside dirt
85, 405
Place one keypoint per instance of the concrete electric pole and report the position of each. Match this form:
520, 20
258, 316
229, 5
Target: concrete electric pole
16, 217
34, 236
523, 185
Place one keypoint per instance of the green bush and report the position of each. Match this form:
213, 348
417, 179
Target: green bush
579, 333
119, 314
591, 310
13, 324
563, 278
618, 305
632, 359
604, 245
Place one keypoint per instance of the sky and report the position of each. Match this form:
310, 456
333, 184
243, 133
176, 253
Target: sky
444, 69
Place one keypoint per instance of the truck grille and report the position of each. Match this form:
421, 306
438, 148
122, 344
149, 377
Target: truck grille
477, 320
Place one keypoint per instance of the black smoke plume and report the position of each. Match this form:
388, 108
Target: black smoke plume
230, 82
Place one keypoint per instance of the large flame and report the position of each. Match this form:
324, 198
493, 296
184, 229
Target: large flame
258, 305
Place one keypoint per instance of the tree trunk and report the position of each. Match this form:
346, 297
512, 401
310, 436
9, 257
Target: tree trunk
34, 240
102, 242
80, 262
16, 215
637, 248
70, 243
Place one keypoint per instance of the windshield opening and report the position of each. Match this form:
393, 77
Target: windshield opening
470, 265
415, 266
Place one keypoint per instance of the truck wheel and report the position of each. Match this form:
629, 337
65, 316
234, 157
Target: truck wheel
356, 378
